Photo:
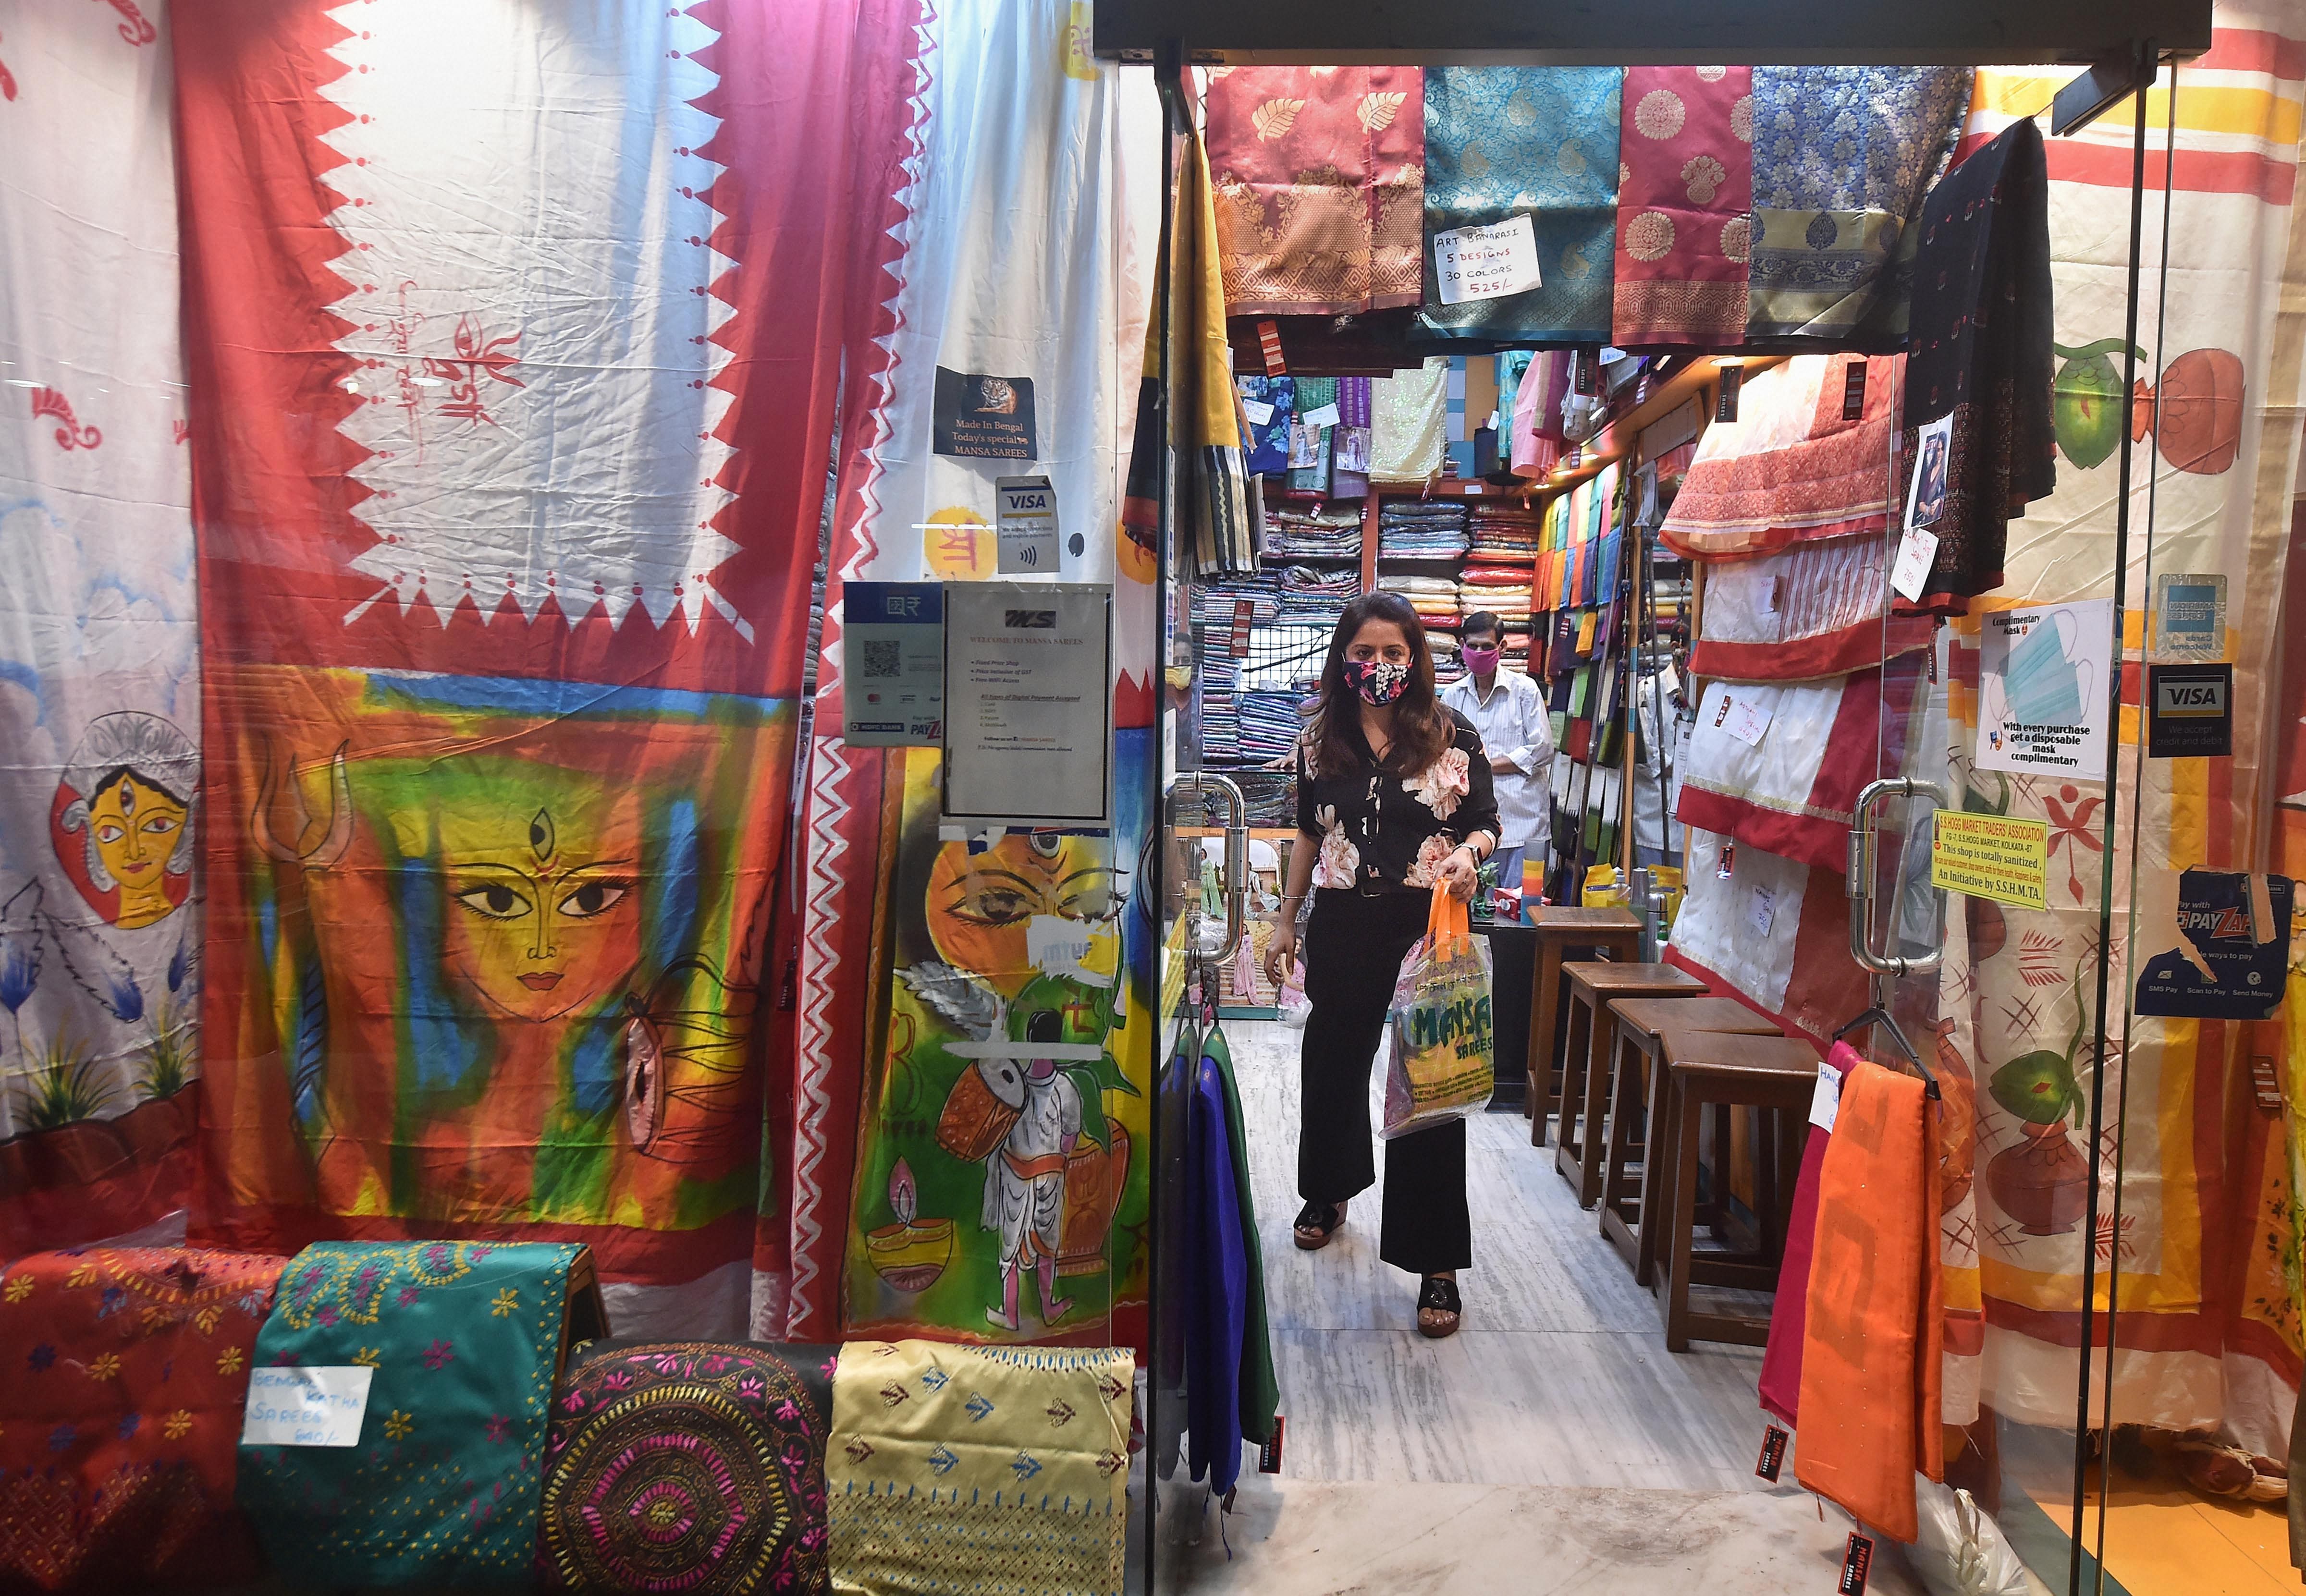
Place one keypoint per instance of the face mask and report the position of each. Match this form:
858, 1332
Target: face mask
1378, 681
1480, 662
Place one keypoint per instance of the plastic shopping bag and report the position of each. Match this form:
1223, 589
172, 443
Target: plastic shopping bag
1440, 1063
1293, 1003
1960, 1550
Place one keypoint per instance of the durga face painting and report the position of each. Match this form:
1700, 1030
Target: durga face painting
124, 814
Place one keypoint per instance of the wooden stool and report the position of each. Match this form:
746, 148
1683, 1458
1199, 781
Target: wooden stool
1635, 1069
1615, 932
1585, 1061
1776, 1077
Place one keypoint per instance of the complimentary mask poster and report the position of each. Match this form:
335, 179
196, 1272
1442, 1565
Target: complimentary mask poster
1002, 1184
2043, 672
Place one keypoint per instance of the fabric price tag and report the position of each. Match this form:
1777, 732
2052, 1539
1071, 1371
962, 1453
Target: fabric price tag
1857, 1563
1325, 416
1259, 411
1027, 525
320, 1406
1915, 555
1269, 342
1744, 719
1773, 1453
1486, 262
1825, 1102
1761, 910
1268, 1452
1853, 390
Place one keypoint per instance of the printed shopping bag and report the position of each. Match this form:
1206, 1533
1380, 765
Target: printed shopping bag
1440, 1063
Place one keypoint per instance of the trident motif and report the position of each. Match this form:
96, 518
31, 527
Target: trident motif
339, 835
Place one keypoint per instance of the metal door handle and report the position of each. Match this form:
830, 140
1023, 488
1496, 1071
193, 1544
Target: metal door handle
1201, 784
1862, 849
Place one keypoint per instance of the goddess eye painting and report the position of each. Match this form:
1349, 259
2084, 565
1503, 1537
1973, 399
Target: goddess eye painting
123, 817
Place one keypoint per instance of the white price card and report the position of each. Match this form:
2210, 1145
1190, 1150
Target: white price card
1762, 910
1325, 416
1027, 525
319, 1406
1746, 719
1825, 1101
1916, 555
1486, 262
1258, 412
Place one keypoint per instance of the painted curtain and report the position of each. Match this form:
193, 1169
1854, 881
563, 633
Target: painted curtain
513, 344
100, 695
2205, 1241
1027, 153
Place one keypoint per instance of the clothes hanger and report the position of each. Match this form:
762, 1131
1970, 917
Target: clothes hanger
1880, 1016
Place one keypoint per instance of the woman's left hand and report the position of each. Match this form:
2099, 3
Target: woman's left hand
1460, 874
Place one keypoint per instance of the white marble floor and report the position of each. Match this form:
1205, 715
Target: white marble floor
1553, 1446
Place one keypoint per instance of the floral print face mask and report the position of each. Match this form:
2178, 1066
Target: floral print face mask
1378, 681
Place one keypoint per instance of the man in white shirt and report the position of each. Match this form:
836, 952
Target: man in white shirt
1508, 710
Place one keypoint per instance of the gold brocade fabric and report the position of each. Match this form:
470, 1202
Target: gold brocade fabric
978, 1469
1408, 418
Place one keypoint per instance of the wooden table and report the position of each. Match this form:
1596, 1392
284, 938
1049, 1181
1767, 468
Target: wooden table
1635, 1068
1560, 928
1586, 1060
1775, 1076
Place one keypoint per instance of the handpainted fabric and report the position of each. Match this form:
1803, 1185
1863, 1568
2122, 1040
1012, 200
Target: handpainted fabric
1872, 1335
1790, 468
1408, 416
1043, 242
1320, 186
467, 1340
2207, 1293
1799, 971
1685, 192
1840, 157
687, 1465
1980, 352
120, 1418
505, 608
1809, 610
100, 818
978, 1469
1790, 792
1538, 141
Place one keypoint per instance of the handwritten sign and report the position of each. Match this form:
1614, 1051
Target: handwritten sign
306, 1407
1486, 262
1992, 856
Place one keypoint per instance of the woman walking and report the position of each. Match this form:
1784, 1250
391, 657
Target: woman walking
1394, 796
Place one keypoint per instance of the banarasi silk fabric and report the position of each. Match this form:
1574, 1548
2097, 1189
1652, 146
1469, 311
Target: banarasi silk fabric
120, 1418
1535, 141
504, 603
2205, 1302
687, 1465
1981, 353
100, 810
1841, 155
1408, 423
978, 1468
1320, 186
467, 1341
891, 1232
1790, 467
1684, 196
1873, 1330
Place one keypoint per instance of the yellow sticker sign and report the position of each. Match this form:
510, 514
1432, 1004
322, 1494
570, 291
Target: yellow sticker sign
1992, 856
957, 546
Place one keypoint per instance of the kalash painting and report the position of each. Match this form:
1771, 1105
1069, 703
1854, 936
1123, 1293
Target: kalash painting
1002, 1181
492, 957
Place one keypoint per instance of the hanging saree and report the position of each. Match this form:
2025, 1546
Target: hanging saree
1770, 931
1320, 181
128, 1370
466, 1340
1315, 444
1809, 610
1685, 190
1346, 480
1981, 353
1840, 157
1790, 467
1266, 453
956, 1468
694, 1466
1873, 1332
1534, 141
1408, 415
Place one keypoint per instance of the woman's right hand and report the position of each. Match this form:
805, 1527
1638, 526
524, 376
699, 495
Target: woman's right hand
1281, 952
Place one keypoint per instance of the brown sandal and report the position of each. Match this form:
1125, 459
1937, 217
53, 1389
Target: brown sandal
1317, 1222
1438, 1299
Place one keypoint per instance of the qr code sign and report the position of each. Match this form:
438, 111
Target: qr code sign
880, 661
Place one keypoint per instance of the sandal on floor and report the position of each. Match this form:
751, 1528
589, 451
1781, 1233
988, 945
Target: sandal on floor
1317, 1222
1438, 1307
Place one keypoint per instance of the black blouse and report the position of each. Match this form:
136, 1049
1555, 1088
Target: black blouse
1386, 833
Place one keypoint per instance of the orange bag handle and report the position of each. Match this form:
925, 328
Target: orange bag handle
1447, 916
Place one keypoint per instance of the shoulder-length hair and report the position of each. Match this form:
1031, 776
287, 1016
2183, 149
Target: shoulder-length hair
1422, 727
